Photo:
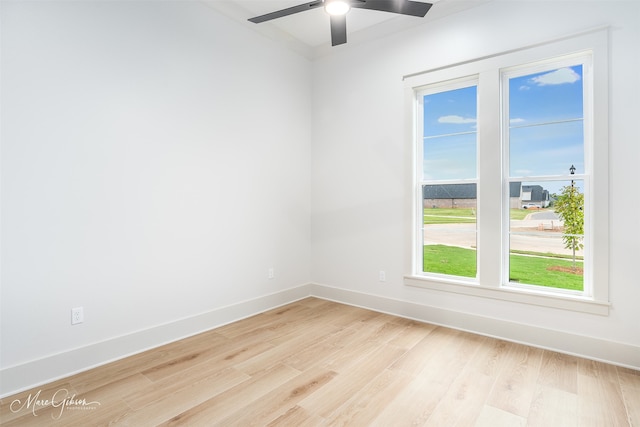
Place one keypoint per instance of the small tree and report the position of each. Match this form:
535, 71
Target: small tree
570, 207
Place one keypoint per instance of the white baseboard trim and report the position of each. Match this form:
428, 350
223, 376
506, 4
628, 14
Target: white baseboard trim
15, 379
31, 374
616, 353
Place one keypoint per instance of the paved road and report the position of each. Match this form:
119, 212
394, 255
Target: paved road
544, 215
539, 232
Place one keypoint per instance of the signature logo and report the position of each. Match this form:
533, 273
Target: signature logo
61, 401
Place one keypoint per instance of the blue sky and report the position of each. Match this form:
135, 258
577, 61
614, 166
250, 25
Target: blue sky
450, 134
546, 128
545, 112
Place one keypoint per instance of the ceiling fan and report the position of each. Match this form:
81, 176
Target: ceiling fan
337, 10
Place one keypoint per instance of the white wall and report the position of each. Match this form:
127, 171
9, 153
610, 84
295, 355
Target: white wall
155, 165
360, 158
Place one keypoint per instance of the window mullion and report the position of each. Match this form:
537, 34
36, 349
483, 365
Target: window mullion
489, 177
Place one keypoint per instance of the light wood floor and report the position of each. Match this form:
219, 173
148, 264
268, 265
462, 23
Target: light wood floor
319, 363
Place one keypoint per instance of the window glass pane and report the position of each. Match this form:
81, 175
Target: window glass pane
449, 134
450, 157
546, 234
449, 233
546, 122
548, 96
547, 149
451, 111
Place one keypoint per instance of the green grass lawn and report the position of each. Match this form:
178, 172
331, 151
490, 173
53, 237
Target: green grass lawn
531, 270
465, 216
519, 213
449, 216
450, 260
535, 271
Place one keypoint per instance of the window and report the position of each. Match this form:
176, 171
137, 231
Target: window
544, 141
448, 179
511, 176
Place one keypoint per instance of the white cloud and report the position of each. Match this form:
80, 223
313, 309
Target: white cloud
456, 120
517, 120
557, 77
524, 87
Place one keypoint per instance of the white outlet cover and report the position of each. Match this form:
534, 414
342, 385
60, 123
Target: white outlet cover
77, 315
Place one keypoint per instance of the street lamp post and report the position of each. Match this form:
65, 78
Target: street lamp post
572, 170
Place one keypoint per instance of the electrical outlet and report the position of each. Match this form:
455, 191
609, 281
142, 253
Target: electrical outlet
383, 276
271, 274
77, 315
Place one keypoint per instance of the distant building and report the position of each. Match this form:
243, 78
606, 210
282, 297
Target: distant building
535, 194
465, 195
450, 196
515, 193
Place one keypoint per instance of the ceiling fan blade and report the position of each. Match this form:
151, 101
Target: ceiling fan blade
403, 7
338, 29
287, 11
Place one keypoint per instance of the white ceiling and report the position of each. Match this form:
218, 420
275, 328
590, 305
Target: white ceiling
309, 33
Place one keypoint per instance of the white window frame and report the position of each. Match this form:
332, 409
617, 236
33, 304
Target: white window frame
492, 215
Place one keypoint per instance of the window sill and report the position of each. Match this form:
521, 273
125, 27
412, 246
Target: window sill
545, 299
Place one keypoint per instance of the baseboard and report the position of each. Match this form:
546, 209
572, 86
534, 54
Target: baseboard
38, 372
616, 353
31, 374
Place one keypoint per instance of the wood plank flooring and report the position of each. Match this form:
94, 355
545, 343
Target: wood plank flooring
320, 363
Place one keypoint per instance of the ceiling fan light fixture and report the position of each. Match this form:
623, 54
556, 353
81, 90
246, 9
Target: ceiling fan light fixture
337, 7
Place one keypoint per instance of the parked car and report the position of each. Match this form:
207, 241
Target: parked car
530, 206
